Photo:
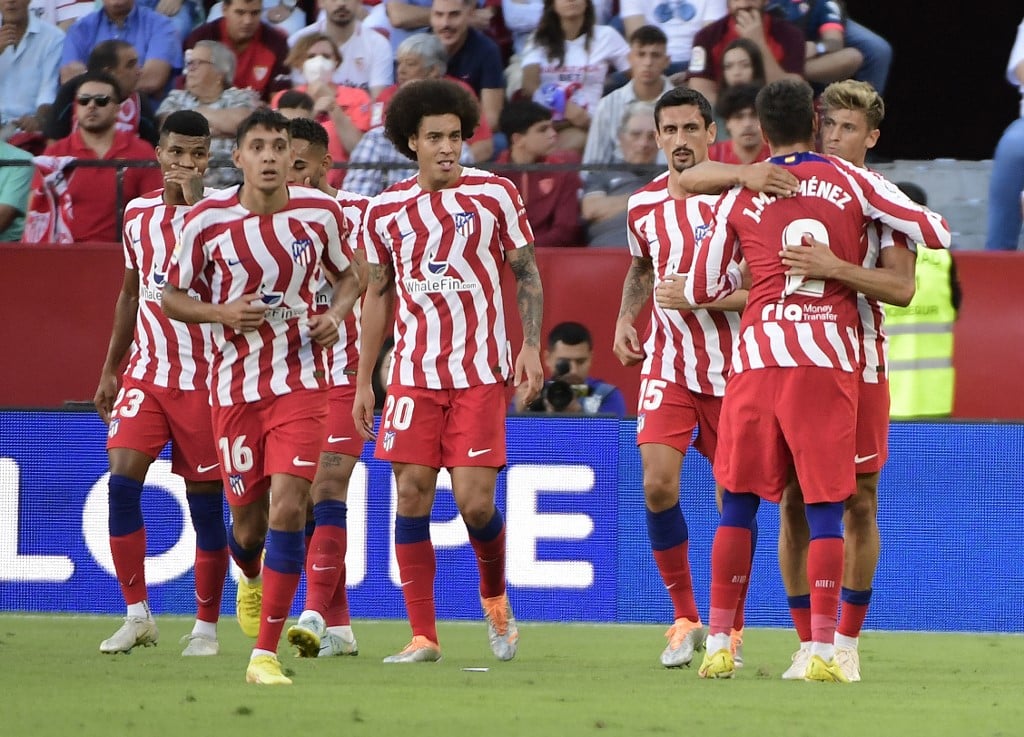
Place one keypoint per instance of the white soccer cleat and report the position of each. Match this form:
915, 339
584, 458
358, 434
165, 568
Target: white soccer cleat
502, 631
307, 634
200, 645
848, 660
419, 650
796, 671
341, 642
685, 637
134, 632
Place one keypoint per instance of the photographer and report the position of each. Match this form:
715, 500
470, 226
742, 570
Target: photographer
569, 388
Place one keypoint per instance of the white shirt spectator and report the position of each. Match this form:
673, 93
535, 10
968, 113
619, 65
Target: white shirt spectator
679, 19
366, 58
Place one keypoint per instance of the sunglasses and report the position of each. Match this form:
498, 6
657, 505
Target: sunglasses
100, 100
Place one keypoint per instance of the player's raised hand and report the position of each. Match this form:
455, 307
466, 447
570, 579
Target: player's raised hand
245, 313
362, 412
189, 179
106, 392
810, 258
770, 179
670, 293
324, 329
529, 370
626, 345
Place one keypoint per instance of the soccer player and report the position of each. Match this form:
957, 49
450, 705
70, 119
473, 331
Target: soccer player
324, 627
792, 398
254, 253
163, 396
438, 241
852, 113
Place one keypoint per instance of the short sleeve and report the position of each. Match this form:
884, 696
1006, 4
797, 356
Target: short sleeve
517, 232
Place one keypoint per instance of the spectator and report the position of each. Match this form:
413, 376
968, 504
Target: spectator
570, 388
742, 63
678, 19
284, 16
473, 58
91, 189
343, 111
521, 18
823, 22
259, 49
1007, 183
606, 196
647, 62
153, 36
366, 58
29, 59
746, 145
781, 45
551, 197
15, 183
184, 14
294, 104
566, 63
398, 20
209, 69
61, 13
136, 113
876, 52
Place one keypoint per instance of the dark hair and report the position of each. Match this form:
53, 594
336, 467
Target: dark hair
648, 36
678, 96
102, 78
756, 59
185, 123
307, 129
570, 333
416, 100
736, 99
104, 54
295, 99
786, 111
261, 118
914, 192
550, 36
519, 116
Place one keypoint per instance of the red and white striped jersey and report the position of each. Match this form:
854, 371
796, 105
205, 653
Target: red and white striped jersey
448, 251
793, 321
874, 342
164, 352
226, 251
685, 347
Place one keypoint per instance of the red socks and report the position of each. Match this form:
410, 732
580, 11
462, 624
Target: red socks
129, 554
730, 569
418, 566
674, 567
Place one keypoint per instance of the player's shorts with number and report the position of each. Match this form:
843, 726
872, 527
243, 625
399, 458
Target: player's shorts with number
774, 418
147, 416
667, 413
443, 428
872, 427
276, 435
342, 436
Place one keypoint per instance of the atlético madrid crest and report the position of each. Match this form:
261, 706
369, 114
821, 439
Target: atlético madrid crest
465, 223
302, 251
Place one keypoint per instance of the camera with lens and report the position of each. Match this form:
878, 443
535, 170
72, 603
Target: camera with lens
560, 391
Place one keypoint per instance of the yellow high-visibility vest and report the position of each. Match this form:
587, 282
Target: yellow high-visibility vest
921, 341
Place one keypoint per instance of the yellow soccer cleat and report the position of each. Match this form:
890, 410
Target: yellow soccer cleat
718, 664
265, 670
819, 670
248, 602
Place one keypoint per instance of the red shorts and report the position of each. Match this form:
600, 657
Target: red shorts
276, 435
667, 413
342, 436
146, 416
776, 418
872, 427
443, 428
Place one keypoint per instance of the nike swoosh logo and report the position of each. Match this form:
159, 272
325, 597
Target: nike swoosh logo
234, 261
861, 459
323, 568
203, 601
340, 439
275, 620
405, 583
203, 469
474, 453
296, 461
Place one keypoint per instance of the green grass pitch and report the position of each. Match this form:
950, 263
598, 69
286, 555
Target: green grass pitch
566, 680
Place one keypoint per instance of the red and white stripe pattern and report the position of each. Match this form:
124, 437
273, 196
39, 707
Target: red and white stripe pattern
874, 343
164, 352
448, 250
226, 252
692, 347
796, 322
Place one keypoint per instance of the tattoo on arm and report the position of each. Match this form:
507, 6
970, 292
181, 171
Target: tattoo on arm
382, 276
637, 288
530, 294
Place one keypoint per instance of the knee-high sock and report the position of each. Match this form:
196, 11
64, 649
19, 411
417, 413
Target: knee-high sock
855, 609
127, 537
825, 568
326, 560
281, 571
247, 559
669, 538
730, 559
211, 568
800, 611
489, 545
417, 567
737, 622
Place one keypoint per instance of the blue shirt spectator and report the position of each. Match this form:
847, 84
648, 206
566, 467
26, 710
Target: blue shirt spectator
28, 66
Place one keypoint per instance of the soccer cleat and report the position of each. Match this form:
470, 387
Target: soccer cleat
795, 672
419, 650
685, 637
736, 647
307, 634
248, 602
501, 626
265, 670
848, 660
134, 632
336, 643
819, 670
200, 645
718, 664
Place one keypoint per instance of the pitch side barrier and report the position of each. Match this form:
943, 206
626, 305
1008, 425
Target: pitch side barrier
571, 494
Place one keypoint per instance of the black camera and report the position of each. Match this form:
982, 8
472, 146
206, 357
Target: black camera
559, 393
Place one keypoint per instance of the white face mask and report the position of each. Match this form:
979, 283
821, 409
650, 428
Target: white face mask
318, 69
